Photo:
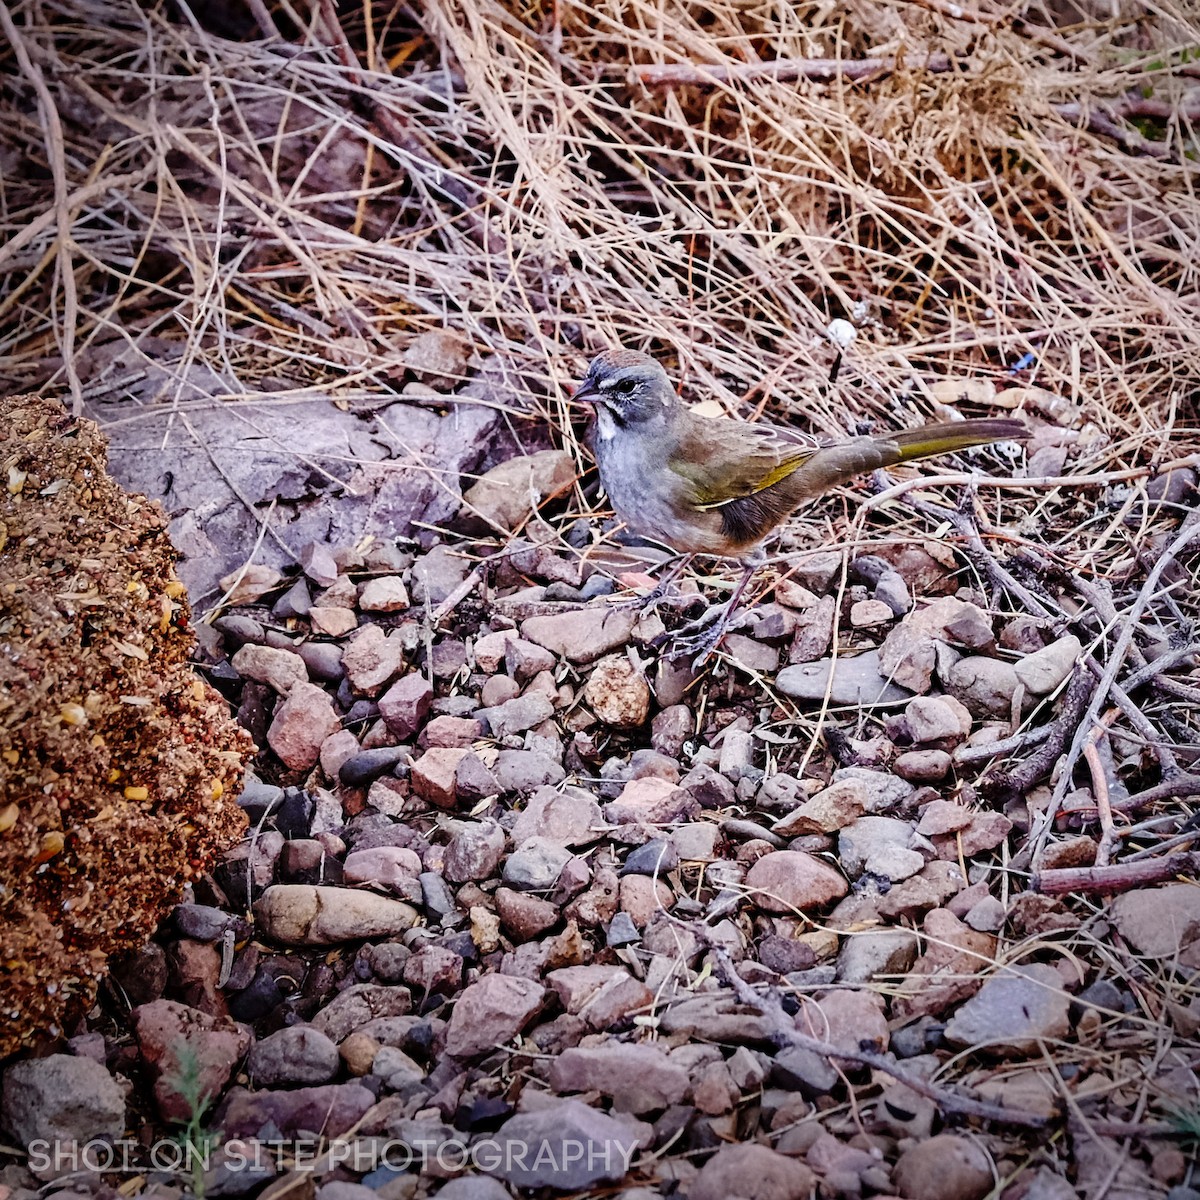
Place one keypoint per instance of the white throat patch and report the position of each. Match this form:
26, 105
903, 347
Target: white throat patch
606, 424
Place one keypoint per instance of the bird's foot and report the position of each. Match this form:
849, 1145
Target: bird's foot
647, 603
698, 638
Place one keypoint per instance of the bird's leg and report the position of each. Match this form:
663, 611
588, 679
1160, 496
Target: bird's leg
706, 639
647, 602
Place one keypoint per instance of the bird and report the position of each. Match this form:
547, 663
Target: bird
719, 486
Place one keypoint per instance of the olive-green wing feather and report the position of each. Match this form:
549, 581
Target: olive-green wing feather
720, 461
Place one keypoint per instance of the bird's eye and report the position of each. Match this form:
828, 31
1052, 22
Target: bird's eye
626, 386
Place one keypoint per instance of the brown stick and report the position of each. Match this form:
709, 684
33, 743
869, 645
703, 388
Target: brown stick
1121, 877
1015, 783
784, 1030
1171, 787
1091, 754
782, 69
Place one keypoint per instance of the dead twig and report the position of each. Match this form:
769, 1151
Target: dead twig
785, 1033
1091, 754
1120, 877
781, 69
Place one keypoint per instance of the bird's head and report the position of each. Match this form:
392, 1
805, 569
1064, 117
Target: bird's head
628, 389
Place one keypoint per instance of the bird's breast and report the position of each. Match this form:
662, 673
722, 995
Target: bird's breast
650, 498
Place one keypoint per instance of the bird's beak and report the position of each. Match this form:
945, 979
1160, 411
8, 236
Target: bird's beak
586, 393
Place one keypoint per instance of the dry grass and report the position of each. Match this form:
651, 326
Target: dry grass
289, 211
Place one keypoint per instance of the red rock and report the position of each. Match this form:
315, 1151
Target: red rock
406, 704
651, 801
786, 881
949, 969
186, 1049
301, 724
639, 1078
328, 1110
372, 659
434, 774
524, 916
641, 897
749, 1170
490, 1012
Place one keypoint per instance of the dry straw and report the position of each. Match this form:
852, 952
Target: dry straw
281, 205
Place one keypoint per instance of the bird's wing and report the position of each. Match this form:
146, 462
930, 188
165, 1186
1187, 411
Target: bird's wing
721, 461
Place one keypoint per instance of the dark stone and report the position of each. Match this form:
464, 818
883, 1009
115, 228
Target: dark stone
256, 1001
206, 923
142, 975
368, 765
783, 955
295, 602
254, 712
655, 857
294, 816
259, 800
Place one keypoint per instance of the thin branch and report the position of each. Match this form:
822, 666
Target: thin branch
1120, 877
782, 70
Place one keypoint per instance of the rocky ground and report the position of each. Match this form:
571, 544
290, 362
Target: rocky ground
515, 883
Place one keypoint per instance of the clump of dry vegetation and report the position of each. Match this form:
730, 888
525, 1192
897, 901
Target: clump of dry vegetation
119, 769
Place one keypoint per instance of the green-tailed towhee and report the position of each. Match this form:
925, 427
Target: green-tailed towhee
704, 485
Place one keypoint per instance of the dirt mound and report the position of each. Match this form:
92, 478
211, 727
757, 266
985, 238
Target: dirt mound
118, 767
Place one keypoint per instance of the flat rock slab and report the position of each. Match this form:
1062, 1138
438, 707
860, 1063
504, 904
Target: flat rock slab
1013, 1012
856, 680
377, 465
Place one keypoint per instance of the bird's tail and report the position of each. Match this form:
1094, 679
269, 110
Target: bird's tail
955, 435
834, 465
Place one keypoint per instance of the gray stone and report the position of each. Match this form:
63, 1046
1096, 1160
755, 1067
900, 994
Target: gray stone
869, 835
474, 852
582, 635
297, 1054
569, 1146
436, 575
856, 680
517, 715
986, 686
536, 866
61, 1098
526, 770
504, 497
1043, 671
405, 705
473, 1187
278, 669
1014, 1012
865, 955
368, 765
570, 817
